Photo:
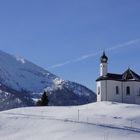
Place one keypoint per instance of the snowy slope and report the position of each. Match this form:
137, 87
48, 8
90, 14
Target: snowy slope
24, 77
10, 98
96, 121
21, 74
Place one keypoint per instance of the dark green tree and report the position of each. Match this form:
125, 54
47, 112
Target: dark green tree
44, 100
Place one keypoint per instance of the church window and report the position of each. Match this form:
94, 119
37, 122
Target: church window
139, 92
127, 90
98, 90
117, 90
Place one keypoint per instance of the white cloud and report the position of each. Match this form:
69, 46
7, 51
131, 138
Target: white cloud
59, 64
86, 56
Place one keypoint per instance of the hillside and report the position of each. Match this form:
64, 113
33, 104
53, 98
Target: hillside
99, 121
22, 82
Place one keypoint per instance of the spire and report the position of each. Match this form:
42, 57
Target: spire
104, 52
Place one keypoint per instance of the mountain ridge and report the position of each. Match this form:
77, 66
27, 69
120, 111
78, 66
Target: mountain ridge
24, 77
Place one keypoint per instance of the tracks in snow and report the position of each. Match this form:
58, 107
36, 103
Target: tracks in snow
34, 116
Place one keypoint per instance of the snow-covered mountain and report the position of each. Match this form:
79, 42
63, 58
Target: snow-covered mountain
21, 81
95, 121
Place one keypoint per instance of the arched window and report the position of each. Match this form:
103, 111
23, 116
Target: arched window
127, 90
139, 92
98, 90
117, 90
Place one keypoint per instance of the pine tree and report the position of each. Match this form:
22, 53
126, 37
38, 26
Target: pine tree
44, 100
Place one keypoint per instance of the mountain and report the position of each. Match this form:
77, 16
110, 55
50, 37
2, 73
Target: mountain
22, 83
96, 121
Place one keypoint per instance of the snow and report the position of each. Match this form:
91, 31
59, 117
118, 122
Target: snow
20, 59
20, 74
96, 121
57, 84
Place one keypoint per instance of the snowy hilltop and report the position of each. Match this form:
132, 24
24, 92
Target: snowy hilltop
95, 121
22, 83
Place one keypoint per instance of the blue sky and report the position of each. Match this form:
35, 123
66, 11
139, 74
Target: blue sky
73, 32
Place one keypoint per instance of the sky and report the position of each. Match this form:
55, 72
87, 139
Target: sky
67, 37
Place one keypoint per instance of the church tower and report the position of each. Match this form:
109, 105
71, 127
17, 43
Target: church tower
103, 65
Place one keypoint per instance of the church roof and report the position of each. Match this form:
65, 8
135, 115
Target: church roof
128, 75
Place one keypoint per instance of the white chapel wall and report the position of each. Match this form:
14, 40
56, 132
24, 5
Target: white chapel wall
111, 91
134, 97
101, 96
108, 91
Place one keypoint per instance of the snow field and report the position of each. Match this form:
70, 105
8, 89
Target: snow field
99, 121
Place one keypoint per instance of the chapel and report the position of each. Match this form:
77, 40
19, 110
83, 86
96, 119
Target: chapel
123, 88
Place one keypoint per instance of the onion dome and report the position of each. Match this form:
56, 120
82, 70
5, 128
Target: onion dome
104, 58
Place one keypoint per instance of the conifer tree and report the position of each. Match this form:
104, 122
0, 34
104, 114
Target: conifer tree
44, 100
